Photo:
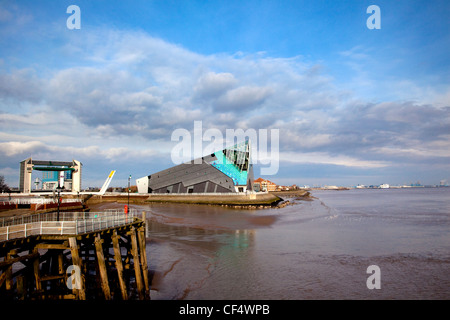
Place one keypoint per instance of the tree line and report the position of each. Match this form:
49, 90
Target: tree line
3, 186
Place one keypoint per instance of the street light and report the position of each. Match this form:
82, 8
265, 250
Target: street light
129, 178
58, 189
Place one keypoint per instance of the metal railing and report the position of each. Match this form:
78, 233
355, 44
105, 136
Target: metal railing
70, 223
38, 201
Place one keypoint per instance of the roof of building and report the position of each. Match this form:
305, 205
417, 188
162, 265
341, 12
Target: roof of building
262, 180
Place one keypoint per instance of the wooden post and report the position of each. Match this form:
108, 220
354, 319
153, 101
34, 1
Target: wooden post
141, 237
119, 266
144, 218
137, 267
102, 267
61, 267
76, 260
8, 272
21, 290
37, 275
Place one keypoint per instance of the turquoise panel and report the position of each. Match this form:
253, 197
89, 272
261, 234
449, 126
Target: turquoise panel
230, 169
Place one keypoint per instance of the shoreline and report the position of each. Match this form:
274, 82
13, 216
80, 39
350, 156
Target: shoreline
301, 193
275, 199
251, 201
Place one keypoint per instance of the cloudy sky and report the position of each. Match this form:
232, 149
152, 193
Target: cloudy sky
353, 105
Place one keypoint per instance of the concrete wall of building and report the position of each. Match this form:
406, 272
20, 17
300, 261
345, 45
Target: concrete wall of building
26, 168
76, 176
142, 185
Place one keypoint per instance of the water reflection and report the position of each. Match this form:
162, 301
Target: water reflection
312, 250
243, 238
187, 249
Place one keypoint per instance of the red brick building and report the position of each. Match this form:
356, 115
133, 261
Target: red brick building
261, 184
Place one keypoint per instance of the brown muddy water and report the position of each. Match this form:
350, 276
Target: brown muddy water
318, 249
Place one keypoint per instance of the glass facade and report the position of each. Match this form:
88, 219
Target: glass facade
49, 176
234, 162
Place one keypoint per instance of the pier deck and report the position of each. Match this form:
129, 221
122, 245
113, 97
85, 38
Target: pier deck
74, 255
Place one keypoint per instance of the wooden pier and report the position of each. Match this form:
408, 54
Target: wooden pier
78, 255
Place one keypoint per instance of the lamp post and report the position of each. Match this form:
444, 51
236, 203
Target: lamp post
129, 178
58, 189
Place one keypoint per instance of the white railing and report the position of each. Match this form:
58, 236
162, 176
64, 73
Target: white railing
70, 223
38, 201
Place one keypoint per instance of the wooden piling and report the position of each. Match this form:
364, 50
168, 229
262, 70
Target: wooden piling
21, 287
80, 292
9, 279
144, 218
61, 268
137, 267
141, 237
102, 267
37, 276
119, 265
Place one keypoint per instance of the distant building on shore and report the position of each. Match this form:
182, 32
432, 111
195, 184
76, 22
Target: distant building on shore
228, 170
261, 184
286, 188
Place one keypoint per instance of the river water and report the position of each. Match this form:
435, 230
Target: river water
318, 249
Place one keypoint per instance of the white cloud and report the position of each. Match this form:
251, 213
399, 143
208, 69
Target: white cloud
20, 86
133, 90
212, 85
325, 158
432, 149
243, 98
14, 148
28, 148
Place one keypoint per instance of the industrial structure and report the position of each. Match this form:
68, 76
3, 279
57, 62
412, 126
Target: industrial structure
55, 174
228, 170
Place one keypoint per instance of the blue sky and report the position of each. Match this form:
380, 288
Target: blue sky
353, 105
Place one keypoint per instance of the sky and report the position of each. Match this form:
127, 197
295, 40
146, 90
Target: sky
352, 105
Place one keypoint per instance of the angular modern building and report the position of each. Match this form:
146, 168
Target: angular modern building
228, 170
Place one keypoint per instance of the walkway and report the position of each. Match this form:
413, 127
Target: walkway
68, 223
